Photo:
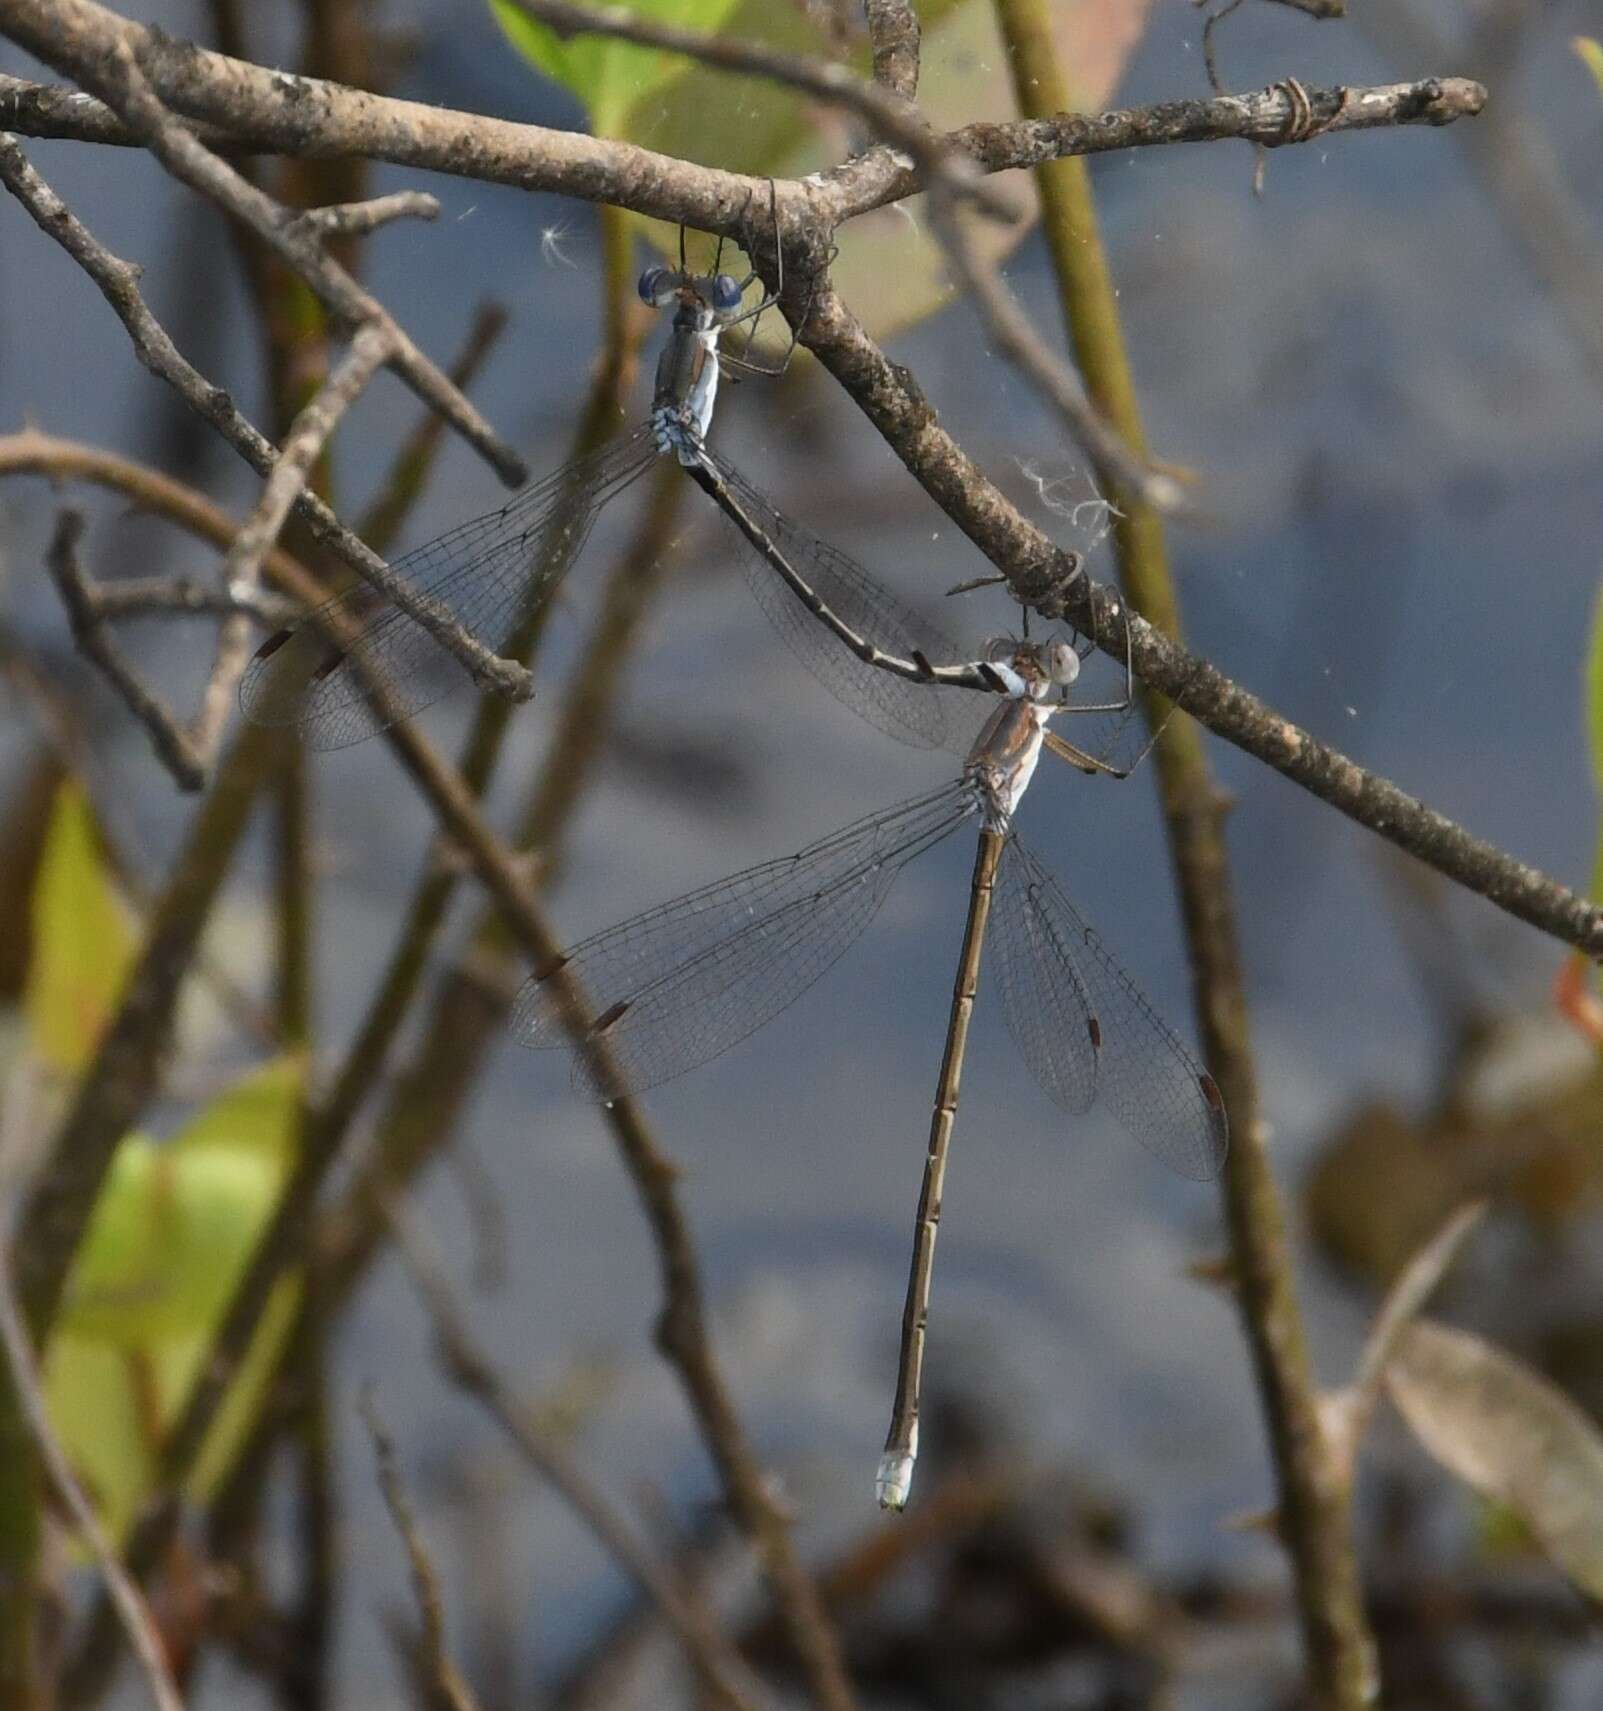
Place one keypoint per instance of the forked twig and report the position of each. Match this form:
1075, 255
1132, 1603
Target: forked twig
118, 283
174, 746
448, 1688
468, 1366
372, 347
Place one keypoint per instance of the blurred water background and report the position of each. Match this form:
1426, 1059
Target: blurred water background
1401, 448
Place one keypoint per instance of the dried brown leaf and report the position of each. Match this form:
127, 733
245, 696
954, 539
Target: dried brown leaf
1511, 1435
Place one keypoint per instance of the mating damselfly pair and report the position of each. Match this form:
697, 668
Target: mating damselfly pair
669, 990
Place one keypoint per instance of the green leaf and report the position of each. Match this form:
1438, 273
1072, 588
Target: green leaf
83, 941
176, 1221
888, 268
1591, 53
172, 1232
1511, 1436
609, 76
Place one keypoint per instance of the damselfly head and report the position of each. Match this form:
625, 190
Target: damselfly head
1062, 663
1041, 666
720, 292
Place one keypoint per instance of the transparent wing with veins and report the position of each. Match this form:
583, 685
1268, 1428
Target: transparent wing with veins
680, 984
918, 714
489, 575
1087, 1031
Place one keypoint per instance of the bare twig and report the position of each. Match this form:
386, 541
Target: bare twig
357, 219
127, 1063
1021, 342
448, 1689
1516, 160
1041, 575
174, 747
131, 1608
1349, 1411
893, 28
889, 112
180, 596
117, 281
1273, 116
121, 1085
33, 453
117, 78
1315, 1502
468, 1366
372, 347
273, 112
402, 486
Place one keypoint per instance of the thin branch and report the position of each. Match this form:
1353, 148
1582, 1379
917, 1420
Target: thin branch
1042, 575
120, 1085
380, 523
274, 112
174, 747
357, 219
1349, 1411
117, 281
123, 1074
894, 30
33, 453
1020, 341
1315, 1501
447, 1688
131, 1608
118, 80
470, 1368
1276, 117
891, 114
182, 596
372, 347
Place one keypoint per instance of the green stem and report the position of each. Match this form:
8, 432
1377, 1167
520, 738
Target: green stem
1315, 1499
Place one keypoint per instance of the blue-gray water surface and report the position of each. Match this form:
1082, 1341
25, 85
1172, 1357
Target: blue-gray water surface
1401, 458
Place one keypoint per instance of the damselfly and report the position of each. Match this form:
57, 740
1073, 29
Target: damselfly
682, 983
487, 578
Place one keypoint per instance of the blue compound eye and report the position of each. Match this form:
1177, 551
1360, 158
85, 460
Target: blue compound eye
725, 293
655, 284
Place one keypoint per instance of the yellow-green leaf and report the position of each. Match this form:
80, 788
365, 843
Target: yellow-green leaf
176, 1221
888, 267
1591, 53
83, 940
172, 1232
608, 75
